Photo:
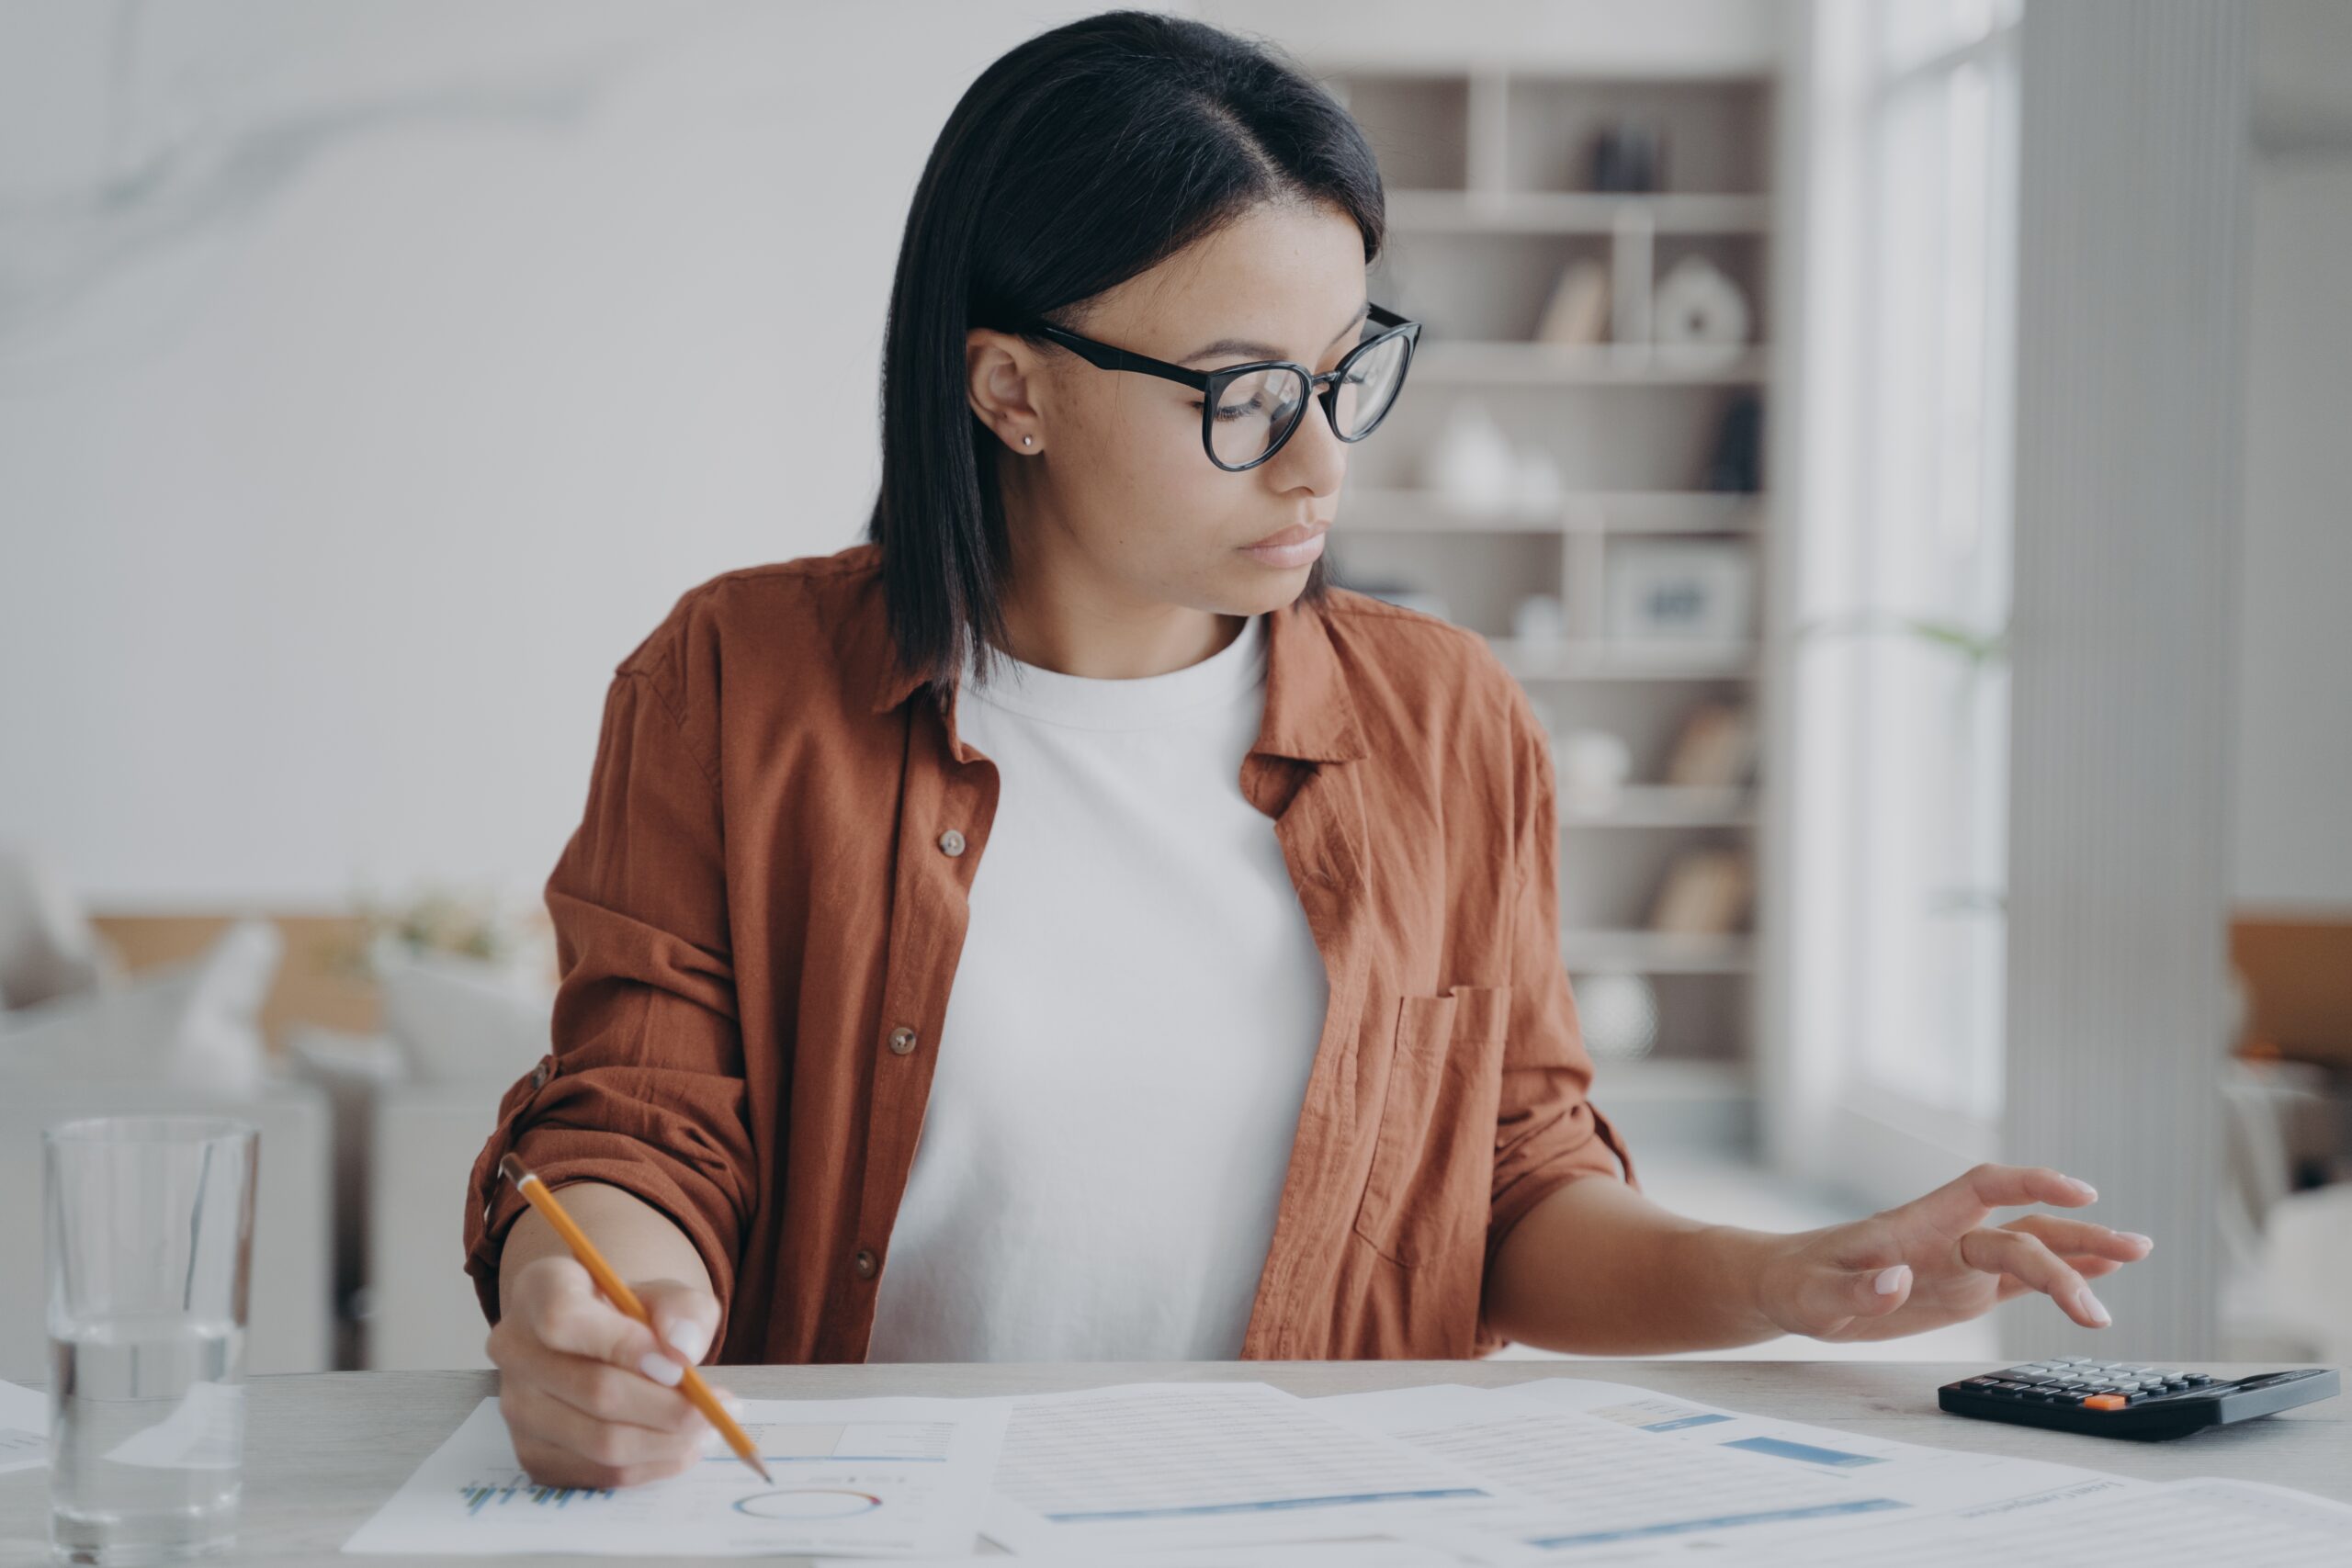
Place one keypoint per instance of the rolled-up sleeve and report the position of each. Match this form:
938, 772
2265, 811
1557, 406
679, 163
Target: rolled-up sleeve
642, 1088
1547, 1132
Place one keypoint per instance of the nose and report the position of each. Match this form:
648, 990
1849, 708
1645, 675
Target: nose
1313, 458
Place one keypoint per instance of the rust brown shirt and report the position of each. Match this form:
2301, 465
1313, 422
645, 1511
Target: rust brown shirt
760, 916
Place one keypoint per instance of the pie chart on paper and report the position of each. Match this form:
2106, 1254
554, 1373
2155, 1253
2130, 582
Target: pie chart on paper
808, 1503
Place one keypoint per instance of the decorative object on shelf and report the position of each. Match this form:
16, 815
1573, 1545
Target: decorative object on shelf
1577, 311
1593, 765
1705, 894
1691, 590
1629, 156
1738, 462
1715, 749
1540, 487
1699, 315
1472, 466
1619, 1015
1539, 618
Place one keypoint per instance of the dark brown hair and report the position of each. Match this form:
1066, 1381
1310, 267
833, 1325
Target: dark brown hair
1080, 159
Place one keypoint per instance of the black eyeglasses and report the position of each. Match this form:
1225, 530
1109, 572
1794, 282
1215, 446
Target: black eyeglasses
1249, 410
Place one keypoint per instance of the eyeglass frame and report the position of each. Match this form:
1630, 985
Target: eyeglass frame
1324, 388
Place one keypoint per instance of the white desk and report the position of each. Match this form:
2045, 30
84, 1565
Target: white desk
324, 1450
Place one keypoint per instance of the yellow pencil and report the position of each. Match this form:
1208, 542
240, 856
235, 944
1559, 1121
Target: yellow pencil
535, 1193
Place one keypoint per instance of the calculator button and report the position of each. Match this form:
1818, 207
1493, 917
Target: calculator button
2199, 1380
2105, 1402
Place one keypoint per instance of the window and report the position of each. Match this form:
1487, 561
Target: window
1900, 685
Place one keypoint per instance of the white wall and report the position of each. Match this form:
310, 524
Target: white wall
2293, 784
373, 376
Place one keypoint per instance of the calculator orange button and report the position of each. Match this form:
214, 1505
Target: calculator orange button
2105, 1402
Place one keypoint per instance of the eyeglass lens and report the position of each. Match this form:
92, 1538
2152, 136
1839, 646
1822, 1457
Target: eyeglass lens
1256, 410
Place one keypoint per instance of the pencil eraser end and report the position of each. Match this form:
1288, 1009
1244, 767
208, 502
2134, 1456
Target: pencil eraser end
513, 1169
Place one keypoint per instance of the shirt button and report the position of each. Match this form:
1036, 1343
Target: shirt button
952, 842
864, 1264
902, 1040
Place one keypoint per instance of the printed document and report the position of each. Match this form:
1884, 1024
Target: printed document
2182, 1524
899, 1476
1344, 1554
1574, 1465
1152, 1466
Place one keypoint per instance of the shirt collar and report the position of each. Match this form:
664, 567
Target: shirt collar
1309, 714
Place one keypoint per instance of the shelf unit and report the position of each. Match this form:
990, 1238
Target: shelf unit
1486, 204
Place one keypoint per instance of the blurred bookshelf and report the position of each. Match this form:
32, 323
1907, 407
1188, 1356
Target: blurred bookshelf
1492, 174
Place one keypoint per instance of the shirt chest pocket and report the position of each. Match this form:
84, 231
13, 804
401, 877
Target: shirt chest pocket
1433, 1154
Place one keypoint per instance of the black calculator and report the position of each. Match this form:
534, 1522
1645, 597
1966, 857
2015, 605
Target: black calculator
2130, 1399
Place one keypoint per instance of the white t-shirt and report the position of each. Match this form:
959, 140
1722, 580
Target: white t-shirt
1127, 1037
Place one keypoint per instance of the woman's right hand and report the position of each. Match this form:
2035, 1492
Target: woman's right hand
590, 1394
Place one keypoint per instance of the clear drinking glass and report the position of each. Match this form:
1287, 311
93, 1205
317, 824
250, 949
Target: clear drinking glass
150, 1221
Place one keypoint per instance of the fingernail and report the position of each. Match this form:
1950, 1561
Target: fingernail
661, 1368
2085, 1187
1891, 1279
2135, 1236
2090, 1307
690, 1338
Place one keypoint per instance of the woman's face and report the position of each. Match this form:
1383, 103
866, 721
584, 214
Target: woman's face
1116, 500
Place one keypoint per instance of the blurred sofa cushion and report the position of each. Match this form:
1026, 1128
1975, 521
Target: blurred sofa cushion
194, 1025
459, 1020
47, 947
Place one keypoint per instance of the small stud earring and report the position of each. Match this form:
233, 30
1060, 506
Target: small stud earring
1028, 441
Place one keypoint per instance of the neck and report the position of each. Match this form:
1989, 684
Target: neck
1060, 616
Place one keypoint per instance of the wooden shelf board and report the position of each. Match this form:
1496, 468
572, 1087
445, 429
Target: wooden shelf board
1575, 659
1467, 362
1620, 1079
1576, 212
1654, 952
1664, 806
1410, 511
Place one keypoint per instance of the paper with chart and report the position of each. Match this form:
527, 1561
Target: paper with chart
1297, 1554
2182, 1524
24, 1427
1925, 1478
1577, 1467
1159, 1466
860, 1476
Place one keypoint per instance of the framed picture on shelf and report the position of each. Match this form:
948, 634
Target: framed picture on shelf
1685, 591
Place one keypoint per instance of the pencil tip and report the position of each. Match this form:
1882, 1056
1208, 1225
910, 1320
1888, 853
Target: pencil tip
763, 1472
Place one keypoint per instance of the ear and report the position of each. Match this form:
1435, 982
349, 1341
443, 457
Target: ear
1003, 380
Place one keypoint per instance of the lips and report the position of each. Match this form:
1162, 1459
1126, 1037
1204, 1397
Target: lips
1297, 534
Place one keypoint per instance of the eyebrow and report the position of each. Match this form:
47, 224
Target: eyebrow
1254, 350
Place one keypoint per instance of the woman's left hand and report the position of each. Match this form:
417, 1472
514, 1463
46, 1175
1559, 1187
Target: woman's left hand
1934, 1261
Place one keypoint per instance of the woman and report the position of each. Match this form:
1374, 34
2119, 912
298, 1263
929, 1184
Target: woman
1257, 1041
